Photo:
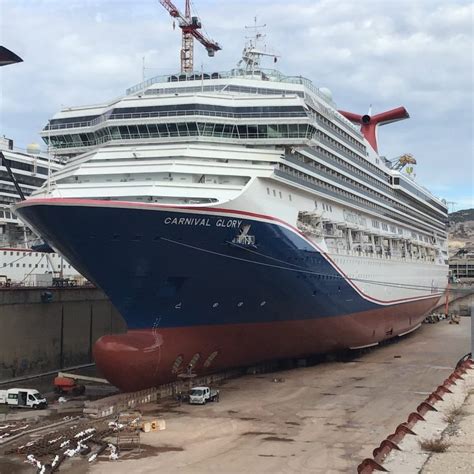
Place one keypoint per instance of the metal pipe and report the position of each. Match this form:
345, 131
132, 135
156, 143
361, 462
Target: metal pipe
12, 177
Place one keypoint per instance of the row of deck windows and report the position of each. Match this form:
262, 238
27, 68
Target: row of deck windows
33, 265
26, 167
326, 155
322, 120
395, 201
339, 147
173, 110
168, 130
22, 179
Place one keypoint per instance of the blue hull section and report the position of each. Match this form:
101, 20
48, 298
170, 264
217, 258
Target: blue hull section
172, 269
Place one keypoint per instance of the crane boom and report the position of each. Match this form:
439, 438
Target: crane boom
190, 26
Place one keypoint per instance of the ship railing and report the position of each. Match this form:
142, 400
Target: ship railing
62, 126
175, 113
271, 75
339, 135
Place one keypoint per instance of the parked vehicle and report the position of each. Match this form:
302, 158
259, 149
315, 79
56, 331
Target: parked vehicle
23, 398
202, 395
68, 383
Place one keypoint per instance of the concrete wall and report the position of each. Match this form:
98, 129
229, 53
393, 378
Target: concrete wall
37, 336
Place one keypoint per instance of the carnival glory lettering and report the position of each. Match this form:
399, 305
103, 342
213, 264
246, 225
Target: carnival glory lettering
202, 221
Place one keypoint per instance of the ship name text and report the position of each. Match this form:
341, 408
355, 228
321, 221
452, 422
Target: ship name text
203, 221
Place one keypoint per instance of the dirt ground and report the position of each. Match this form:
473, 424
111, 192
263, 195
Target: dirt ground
320, 419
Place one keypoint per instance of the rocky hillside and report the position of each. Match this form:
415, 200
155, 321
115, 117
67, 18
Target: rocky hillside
461, 229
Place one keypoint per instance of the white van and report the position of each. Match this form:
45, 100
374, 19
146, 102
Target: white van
23, 398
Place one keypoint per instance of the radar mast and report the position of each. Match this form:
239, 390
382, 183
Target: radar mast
254, 50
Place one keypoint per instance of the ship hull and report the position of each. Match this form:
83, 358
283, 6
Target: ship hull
191, 292
146, 358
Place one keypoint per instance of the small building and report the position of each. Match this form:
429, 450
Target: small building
461, 264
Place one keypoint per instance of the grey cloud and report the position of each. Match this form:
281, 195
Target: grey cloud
385, 53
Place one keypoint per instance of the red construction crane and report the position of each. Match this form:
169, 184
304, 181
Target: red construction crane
190, 26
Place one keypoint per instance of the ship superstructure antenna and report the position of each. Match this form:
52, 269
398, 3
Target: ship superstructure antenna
255, 49
190, 26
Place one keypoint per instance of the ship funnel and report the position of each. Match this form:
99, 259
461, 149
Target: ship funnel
369, 123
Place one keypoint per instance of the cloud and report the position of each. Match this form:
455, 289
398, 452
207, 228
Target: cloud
388, 53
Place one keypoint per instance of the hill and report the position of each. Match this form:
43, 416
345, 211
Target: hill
461, 229
462, 215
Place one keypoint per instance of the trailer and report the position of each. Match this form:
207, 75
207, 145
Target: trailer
23, 398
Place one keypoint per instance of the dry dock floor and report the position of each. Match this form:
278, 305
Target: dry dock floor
320, 419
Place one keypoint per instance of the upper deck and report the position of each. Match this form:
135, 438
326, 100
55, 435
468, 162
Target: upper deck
260, 108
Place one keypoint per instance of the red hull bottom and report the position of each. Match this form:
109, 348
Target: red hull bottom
146, 358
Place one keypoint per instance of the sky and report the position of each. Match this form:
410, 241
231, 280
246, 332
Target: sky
379, 53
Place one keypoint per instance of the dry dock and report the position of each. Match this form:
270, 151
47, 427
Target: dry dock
324, 419
321, 419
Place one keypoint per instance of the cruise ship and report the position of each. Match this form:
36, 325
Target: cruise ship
236, 217
21, 261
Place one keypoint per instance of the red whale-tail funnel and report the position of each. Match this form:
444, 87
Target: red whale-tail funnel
368, 124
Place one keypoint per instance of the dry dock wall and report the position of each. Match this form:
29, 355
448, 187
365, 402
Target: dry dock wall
38, 336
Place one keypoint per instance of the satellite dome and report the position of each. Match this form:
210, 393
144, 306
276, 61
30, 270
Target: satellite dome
33, 149
326, 93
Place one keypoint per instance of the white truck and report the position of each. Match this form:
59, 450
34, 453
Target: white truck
202, 395
23, 398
